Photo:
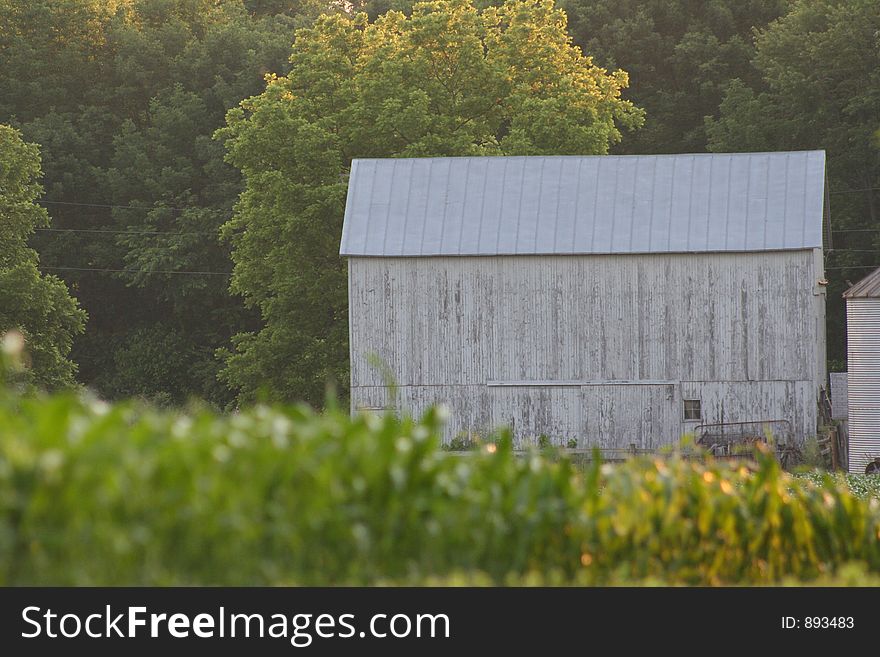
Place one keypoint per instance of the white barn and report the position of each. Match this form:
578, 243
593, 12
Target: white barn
607, 300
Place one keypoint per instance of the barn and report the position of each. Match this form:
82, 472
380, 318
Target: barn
601, 301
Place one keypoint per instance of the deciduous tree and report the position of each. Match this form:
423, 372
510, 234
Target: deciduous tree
820, 88
680, 55
37, 305
448, 80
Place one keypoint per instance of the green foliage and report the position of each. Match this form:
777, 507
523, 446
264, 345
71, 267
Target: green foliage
13, 373
449, 80
812, 454
39, 306
462, 442
50, 53
92, 493
123, 96
836, 365
819, 87
864, 486
680, 55
303, 10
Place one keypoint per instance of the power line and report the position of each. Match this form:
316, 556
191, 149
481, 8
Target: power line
209, 232
198, 207
166, 233
853, 191
141, 271
225, 273
121, 232
130, 207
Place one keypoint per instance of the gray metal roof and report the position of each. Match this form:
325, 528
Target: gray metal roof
867, 288
575, 204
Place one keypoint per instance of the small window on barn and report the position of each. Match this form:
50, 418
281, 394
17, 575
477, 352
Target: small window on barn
692, 409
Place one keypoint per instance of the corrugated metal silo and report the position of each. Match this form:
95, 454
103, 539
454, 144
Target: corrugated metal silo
863, 363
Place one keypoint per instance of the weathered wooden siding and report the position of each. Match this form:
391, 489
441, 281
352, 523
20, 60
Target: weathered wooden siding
745, 401
533, 341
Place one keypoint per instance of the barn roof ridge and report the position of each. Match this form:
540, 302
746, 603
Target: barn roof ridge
581, 157
572, 204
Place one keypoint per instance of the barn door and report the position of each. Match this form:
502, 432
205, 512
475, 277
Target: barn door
616, 416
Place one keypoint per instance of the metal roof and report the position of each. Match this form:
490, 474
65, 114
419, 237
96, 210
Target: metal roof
867, 288
579, 204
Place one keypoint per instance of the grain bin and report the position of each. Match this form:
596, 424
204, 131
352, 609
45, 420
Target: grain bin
863, 361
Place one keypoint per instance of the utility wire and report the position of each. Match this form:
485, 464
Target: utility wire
208, 232
121, 232
130, 207
853, 191
227, 274
197, 207
141, 271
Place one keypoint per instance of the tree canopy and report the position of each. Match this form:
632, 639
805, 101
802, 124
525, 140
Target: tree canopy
447, 80
39, 306
819, 87
680, 54
123, 97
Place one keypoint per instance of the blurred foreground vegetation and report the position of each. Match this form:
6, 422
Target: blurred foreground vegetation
125, 494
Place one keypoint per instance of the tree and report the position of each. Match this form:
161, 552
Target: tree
168, 169
123, 97
39, 306
820, 88
50, 53
680, 55
449, 80
303, 10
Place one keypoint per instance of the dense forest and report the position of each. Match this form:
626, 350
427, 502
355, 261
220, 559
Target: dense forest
180, 165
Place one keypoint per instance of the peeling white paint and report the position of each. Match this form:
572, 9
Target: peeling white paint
530, 341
